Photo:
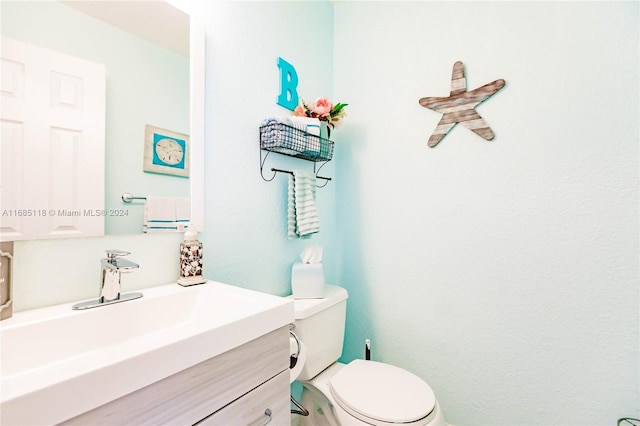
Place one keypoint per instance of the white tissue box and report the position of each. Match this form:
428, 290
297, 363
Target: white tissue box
307, 281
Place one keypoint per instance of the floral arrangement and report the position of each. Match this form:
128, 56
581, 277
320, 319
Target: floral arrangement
323, 110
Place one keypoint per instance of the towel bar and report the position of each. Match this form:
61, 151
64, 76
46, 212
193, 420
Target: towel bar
127, 198
290, 172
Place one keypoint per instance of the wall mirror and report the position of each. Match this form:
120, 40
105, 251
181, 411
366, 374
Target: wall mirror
154, 59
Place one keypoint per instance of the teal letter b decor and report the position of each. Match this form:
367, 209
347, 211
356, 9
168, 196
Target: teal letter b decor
288, 97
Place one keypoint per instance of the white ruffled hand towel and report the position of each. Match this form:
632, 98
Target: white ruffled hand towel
302, 220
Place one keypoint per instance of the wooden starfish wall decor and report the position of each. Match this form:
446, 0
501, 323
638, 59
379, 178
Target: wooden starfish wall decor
459, 106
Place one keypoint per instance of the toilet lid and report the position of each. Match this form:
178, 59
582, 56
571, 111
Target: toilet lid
382, 392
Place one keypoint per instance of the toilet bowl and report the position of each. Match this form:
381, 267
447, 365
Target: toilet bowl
360, 392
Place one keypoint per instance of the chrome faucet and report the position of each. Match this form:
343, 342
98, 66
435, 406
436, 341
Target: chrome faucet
112, 269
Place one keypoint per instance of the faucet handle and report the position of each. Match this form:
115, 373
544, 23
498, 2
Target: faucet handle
112, 254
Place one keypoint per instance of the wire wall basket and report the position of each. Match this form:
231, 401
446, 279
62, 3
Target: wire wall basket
628, 421
287, 140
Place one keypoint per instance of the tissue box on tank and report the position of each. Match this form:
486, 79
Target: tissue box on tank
307, 281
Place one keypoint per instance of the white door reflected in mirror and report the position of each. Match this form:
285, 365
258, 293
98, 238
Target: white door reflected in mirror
53, 137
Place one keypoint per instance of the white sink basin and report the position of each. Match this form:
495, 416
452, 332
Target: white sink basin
56, 362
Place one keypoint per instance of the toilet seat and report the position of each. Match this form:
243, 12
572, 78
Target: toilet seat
382, 394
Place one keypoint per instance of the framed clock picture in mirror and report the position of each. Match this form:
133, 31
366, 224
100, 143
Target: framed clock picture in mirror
166, 152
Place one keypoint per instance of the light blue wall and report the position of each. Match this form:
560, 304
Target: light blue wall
245, 236
505, 273
50, 272
146, 84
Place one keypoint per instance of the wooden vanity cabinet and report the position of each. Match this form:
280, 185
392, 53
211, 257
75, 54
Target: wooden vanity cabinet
248, 385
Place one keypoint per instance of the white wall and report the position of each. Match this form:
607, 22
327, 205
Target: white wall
505, 273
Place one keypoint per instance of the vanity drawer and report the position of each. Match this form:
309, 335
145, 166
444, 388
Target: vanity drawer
195, 393
267, 404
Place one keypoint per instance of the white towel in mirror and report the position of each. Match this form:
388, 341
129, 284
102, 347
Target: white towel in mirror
166, 214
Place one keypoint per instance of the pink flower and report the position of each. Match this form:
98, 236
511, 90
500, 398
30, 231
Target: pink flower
322, 107
323, 110
300, 111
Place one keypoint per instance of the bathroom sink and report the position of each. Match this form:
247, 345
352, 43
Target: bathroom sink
56, 363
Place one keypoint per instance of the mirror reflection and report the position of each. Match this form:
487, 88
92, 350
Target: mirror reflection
144, 47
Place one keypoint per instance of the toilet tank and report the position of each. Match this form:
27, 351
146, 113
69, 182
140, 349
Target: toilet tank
319, 324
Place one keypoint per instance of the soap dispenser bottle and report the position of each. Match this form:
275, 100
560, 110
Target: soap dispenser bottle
191, 259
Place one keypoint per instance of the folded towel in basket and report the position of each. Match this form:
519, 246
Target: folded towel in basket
302, 218
311, 127
277, 132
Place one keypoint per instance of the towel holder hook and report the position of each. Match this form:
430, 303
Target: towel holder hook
326, 180
262, 161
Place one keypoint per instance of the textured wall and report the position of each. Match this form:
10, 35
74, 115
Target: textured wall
505, 273
245, 236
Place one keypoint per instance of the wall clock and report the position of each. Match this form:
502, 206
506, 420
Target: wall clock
166, 152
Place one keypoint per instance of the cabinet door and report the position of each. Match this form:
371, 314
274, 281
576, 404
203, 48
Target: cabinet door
266, 404
53, 142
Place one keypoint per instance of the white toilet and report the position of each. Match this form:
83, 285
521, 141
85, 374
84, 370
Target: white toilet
361, 392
